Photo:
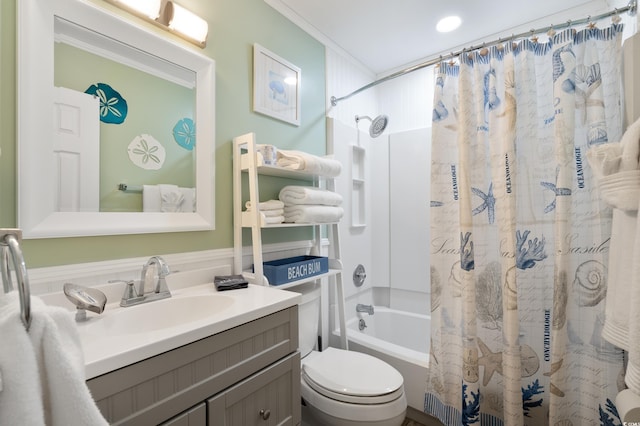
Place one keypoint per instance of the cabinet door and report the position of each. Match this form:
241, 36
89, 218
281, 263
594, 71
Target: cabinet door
268, 398
197, 416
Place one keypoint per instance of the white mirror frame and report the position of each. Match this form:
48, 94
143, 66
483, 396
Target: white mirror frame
35, 93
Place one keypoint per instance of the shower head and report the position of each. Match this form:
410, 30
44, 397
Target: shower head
377, 126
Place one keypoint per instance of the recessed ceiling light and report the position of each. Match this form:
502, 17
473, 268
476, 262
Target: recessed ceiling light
449, 23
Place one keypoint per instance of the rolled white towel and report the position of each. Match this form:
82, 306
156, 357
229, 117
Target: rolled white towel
298, 160
266, 205
293, 195
272, 213
312, 214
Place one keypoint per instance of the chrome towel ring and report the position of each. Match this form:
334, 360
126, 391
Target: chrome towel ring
10, 250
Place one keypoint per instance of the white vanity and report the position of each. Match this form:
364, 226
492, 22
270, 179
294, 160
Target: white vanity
201, 357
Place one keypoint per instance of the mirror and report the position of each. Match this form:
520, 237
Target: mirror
68, 189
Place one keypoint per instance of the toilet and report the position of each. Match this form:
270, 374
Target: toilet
344, 388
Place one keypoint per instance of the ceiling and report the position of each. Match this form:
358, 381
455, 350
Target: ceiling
385, 35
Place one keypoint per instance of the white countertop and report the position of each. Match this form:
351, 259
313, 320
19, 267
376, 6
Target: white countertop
107, 349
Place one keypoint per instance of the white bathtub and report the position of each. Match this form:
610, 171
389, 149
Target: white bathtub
400, 339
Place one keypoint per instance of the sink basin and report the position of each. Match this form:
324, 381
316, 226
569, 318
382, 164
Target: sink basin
159, 314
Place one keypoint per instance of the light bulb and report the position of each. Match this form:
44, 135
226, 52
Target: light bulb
188, 23
149, 8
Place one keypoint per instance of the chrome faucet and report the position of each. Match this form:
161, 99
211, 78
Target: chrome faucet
162, 269
364, 308
85, 299
133, 296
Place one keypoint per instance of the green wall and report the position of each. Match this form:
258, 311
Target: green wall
234, 25
155, 105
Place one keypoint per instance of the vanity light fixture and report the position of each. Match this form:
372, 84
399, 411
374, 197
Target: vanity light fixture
169, 15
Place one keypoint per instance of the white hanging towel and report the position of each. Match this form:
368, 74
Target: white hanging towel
617, 171
170, 198
294, 194
150, 198
21, 394
299, 160
43, 370
188, 200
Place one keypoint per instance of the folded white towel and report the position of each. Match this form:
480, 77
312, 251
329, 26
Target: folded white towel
272, 220
293, 194
267, 205
298, 160
170, 198
312, 214
272, 213
51, 368
178, 199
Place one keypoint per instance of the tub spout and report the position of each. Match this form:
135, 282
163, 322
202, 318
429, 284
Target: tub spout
364, 308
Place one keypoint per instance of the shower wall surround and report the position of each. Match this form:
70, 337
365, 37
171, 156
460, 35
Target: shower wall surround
408, 102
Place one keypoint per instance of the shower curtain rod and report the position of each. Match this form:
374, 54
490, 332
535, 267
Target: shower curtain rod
630, 8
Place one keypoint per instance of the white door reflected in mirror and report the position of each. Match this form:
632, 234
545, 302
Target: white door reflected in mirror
76, 151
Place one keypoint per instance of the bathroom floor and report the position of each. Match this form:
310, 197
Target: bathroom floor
409, 422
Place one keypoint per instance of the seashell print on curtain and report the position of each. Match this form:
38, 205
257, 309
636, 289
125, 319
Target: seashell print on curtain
518, 306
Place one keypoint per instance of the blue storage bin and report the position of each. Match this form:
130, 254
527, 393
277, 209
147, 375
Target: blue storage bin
283, 271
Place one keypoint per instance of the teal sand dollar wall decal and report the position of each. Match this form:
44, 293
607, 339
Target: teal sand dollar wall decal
113, 107
184, 133
146, 152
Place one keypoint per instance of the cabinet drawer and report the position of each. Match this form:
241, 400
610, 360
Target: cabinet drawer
159, 388
197, 416
270, 397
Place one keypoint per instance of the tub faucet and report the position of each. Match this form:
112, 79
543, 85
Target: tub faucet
364, 308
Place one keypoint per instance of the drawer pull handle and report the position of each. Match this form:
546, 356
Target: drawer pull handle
265, 414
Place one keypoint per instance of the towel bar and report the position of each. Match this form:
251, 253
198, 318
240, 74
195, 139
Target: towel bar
129, 188
10, 248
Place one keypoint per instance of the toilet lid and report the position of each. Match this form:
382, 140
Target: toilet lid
352, 376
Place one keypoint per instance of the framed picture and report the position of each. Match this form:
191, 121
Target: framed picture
276, 86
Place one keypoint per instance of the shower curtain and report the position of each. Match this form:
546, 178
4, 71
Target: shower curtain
520, 236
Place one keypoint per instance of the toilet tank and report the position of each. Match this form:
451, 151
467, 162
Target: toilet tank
308, 316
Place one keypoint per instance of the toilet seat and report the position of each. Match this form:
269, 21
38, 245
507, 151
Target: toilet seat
352, 377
